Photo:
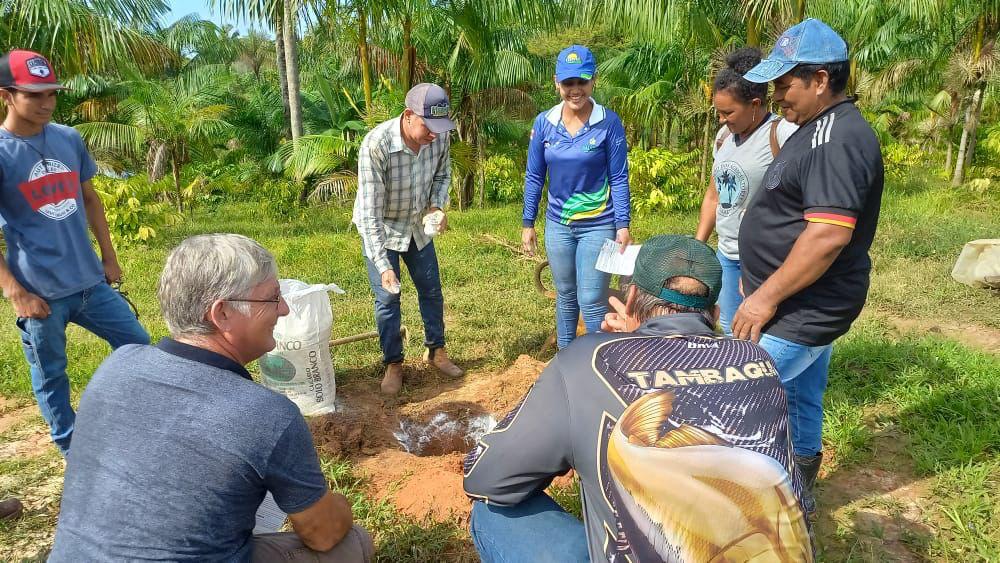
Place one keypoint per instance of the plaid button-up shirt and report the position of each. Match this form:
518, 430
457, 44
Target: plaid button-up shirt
396, 187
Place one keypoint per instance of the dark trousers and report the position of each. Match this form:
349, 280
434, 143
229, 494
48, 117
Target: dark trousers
423, 268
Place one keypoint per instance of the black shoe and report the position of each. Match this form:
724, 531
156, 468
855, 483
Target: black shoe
809, 469
10, 509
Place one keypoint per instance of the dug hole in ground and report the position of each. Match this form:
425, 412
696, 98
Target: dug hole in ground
411, 453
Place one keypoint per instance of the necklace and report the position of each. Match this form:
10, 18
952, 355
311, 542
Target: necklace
40, 153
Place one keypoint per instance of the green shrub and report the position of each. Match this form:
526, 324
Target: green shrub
135, 208
504, 179
662, 180
900, 160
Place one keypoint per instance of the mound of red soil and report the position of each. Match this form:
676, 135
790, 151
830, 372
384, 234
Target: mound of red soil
429, 486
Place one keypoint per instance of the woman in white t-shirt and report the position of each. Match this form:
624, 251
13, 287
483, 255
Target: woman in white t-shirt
744, 147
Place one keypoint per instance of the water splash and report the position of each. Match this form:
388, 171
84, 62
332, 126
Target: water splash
444, 432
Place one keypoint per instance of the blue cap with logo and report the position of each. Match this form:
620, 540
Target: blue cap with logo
809, 42
575, 61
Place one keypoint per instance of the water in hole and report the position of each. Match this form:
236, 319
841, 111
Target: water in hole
446, 431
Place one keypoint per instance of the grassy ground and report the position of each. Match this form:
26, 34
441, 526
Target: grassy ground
913, 442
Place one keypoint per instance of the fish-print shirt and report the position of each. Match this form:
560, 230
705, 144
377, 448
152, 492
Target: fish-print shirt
679, 437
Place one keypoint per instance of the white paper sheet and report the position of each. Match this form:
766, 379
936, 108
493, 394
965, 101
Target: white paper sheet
270, 518
612, 261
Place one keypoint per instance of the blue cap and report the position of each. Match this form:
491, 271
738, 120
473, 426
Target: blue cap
809, 42
575, 61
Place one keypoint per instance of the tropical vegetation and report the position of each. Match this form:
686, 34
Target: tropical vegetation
277, 113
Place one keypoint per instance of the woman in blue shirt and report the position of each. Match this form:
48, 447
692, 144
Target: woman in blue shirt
581, 146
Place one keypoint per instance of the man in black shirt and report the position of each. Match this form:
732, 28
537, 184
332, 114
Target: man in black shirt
804, 239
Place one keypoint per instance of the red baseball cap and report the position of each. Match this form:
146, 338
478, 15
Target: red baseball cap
27, 71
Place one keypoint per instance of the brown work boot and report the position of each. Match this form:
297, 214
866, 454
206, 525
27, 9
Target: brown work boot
393, 380
10, 509
439, 359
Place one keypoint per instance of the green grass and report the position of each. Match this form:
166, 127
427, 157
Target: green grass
920, 407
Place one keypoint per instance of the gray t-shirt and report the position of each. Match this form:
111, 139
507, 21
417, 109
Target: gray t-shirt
174, 449
738, 171
42, 211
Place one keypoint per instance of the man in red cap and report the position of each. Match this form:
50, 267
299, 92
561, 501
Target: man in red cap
52, 275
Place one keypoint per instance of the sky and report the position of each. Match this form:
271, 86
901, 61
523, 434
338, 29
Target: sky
181, 8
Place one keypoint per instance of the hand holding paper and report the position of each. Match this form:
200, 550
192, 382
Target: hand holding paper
614, 260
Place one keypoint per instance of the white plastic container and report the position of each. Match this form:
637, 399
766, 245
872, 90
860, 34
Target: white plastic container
979, 264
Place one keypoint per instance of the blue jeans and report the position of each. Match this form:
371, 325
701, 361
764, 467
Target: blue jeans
98, 309
803, 372
536, 530
729, 297
423, 268
572, 251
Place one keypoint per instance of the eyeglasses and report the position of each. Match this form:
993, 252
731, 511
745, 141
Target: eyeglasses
574, 82
275, 300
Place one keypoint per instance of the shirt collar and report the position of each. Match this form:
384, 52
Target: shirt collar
596, 116
396, 143
203, 356
686, 324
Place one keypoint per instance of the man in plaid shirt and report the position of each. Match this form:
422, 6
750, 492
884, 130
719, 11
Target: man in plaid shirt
404, 169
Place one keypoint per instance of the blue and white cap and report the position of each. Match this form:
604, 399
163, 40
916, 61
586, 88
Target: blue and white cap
575, 61
809, 42
430, 102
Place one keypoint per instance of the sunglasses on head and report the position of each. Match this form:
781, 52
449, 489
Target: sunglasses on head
574, 82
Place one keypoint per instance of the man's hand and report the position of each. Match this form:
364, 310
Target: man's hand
112, 271
623, 238
751, 316
444, 219
529, 241
618, 321
27, 304
390, 282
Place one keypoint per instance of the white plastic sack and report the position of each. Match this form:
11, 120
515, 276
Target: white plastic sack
979, 264
299, 367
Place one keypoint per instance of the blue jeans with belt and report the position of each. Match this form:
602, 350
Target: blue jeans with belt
803, 373
99, 309
422, 264
580, 287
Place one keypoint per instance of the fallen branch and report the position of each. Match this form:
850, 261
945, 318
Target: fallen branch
514, 248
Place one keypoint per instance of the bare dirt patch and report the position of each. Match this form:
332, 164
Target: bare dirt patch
970, 334
429, 485
875, 512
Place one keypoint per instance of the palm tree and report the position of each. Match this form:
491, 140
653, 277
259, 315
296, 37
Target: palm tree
168, 122
82, 37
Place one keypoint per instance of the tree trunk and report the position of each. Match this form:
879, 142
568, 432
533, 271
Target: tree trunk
177, 181
705, 149
963, 146
670, 127
366, 73
406, 79
951, 149
279, 47
753, 30
292, 69
800, 10
977, 113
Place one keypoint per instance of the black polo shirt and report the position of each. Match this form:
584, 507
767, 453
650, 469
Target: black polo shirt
829, 171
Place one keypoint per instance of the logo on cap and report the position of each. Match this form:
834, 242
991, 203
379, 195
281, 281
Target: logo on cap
787, 44
440, 110
37, 66
573, 59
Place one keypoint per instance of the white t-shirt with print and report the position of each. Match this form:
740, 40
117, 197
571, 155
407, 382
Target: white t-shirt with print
738, 171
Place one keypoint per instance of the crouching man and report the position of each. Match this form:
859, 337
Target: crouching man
679, 437
175, 445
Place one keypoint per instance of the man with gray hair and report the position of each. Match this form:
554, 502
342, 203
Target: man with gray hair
176, 446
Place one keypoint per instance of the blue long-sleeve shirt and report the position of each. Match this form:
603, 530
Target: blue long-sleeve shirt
588, 173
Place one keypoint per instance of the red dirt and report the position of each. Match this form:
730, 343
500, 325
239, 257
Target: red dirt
428, 486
